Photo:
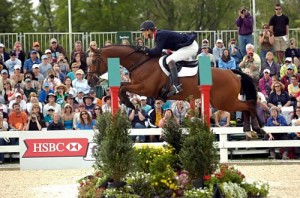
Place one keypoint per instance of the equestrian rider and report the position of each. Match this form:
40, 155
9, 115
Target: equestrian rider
184, 46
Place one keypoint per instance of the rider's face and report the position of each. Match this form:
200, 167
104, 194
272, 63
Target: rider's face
147, 34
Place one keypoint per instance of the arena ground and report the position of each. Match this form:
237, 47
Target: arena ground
284, 180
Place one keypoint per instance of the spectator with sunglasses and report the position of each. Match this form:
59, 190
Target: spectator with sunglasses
35, 47
56, 49
74, 68
67, 117
284, 67
86, 122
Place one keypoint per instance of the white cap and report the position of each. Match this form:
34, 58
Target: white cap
35, 66
17, 67
2, 45
18, 94
288, 59
47, 51
266, 71
51, 108
143, 98
219, 41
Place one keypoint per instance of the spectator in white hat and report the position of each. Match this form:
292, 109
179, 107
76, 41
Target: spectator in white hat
17, 76
48, 53
4, 55
56, 49
265, 83
38, 75
80, 84
284, 67
218, 50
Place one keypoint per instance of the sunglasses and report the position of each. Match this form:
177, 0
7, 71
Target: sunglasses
289, 69
36, 46
50, 110
277, 86
47, 53
75, 67
277, 8
5, 84
97, 109
266, 28
53, 42
84, 114
68, 107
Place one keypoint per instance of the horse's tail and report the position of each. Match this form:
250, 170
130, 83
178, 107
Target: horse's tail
248, 88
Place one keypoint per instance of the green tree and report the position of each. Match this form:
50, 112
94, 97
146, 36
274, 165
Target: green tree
6, 15
23, 16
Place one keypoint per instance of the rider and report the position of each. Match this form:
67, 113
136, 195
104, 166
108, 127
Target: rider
183, 45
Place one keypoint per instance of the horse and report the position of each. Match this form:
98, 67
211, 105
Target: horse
147, 79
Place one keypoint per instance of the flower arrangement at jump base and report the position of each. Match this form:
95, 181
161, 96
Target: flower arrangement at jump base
186, 167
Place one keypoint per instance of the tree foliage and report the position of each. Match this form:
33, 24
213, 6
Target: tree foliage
118, 15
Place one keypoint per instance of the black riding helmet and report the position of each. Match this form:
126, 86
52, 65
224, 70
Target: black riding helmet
147, 25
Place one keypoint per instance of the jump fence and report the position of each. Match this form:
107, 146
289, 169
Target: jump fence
224, 145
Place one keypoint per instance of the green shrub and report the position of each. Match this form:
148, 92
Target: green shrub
115, 148
198, 154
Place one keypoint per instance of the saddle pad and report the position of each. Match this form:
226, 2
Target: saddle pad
185, 71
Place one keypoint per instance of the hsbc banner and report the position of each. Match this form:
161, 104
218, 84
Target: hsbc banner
57, 149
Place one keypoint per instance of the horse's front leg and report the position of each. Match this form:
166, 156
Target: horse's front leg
132, 88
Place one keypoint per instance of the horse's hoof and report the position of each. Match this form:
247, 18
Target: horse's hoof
251, 135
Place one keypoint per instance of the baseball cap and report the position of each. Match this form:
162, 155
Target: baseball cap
266, 71
205, 41
219, 41
27, 80
290, 66
17, 67
12, 53
35, 66
143, 98
32, 52
288, 59
53, 40
45, 84
2, 45
204, 46
18, 94
47, 51
51, 108
45, 56
4, 71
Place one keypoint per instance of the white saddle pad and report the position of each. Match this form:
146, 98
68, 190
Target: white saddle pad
185, 71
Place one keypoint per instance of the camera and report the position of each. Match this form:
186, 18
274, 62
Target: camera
33, 118
51, 76
243, 11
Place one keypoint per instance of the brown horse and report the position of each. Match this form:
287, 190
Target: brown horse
148, 79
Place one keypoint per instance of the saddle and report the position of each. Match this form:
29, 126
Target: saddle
180, 64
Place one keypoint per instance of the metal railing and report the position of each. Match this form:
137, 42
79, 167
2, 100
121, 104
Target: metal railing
8, 39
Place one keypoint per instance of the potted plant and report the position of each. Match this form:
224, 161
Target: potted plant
115, 148
198, 154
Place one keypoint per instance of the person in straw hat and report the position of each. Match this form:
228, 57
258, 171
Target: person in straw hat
60, 92
81, 84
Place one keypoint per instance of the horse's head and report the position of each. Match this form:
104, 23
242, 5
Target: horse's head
98, 58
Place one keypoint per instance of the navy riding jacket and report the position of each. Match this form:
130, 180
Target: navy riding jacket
166, 39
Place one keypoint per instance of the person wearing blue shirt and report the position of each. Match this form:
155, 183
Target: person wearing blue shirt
183, 46
86, 122
30, 61
226, 61
277, 120
44, 92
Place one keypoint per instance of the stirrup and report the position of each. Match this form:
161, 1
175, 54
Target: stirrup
175, 90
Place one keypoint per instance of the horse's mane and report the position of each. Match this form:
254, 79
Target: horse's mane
120, 45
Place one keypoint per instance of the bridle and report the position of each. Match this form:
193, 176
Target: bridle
97, 62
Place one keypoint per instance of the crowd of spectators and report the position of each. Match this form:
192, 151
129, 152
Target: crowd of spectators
48, 90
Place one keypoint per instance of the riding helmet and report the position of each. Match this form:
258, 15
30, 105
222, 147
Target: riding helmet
147, 25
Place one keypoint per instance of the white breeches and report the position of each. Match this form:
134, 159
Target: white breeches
184, 53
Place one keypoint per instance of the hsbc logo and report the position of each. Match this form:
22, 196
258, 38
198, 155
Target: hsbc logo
74, 146
65, 147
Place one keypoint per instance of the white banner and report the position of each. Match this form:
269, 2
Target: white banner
56, 149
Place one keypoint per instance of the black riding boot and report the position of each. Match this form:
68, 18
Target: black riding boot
176, 87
